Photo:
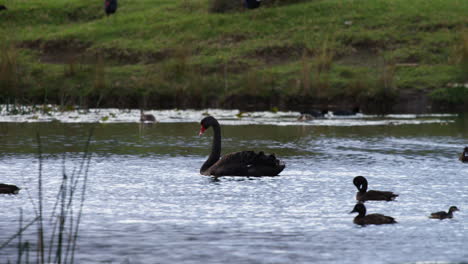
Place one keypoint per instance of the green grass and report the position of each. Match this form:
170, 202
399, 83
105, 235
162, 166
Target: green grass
168, 49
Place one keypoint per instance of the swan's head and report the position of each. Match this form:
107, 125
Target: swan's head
360, 182
453, 209
206, 123
359, 208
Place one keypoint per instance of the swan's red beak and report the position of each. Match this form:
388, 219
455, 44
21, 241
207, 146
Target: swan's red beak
202, 130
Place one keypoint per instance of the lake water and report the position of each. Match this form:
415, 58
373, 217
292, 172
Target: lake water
146, 202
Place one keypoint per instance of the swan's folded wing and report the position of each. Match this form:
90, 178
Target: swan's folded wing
247, 163
380, 195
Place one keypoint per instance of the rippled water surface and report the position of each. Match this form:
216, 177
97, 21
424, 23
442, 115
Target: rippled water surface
146, 202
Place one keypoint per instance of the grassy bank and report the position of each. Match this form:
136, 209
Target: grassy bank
381, 55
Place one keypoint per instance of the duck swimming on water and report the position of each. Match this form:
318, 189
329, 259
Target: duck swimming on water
364, 195
443, 215
243, 163
146, 117
8, 189
370, 219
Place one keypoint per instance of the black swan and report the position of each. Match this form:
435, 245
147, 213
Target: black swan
252, 4
243, 163
146, 117
371, 195
370, 219
8, 189
443, 215
464, 155
110, 6
2, 7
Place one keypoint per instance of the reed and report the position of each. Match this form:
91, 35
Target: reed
63, 227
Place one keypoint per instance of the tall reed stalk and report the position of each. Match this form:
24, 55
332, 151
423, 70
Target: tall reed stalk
63, 229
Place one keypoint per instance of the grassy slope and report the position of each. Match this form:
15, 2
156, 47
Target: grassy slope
175, 52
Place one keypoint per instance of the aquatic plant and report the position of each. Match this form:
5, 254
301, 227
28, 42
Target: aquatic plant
56, 239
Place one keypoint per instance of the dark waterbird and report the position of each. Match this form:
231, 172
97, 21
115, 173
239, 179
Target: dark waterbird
443, 215
2, 7
8, 189
346, 112
312, 114
363, 195
370, 219
146, 117
252, 4
464, 155
110, 6
243, 163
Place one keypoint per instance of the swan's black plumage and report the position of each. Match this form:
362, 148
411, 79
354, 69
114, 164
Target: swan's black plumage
370, 219
8, 189
364, 195
443, 215
243, 163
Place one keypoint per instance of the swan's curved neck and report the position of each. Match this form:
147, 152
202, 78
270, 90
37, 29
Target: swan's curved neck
215, 149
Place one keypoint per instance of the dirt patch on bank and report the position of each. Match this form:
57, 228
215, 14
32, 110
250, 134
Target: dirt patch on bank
279, 54
68, 51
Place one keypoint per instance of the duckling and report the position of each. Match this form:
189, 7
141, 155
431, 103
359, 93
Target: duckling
464, 155
363, 195
146, 117
442, 215
370, 219
8, 189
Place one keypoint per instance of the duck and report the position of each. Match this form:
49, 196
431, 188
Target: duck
464, 155
363, 195
312, 114
243, 163
370, 219
146, 117
346, 112
443, 215
9, 189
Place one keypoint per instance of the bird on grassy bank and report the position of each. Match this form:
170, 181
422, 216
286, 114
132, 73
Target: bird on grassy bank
252, 4
147, 117
443, 215
2, 7
363, 195
110, 6
243, 163
370, 219
464, 155
8, 189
